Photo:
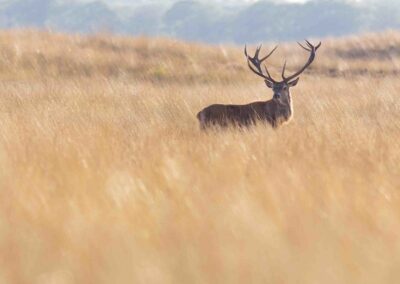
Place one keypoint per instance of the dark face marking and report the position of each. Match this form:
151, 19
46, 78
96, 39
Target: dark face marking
281, 89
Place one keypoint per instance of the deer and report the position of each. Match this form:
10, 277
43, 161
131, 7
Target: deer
274, 112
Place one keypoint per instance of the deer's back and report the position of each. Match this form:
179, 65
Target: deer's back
242, 115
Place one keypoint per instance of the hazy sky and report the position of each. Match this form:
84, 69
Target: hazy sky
277, 1
293, 1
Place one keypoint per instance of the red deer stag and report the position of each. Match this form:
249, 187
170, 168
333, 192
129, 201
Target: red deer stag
276, 111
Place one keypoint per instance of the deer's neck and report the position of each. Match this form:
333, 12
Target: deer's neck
286, 101
290, 103
285, 107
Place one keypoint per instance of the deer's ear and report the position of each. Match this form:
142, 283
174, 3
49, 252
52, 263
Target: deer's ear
269, 84
294, 82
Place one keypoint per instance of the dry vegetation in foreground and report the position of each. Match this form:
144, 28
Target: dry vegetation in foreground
106, 178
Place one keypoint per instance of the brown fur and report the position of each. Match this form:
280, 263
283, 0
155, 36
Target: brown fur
272, 112
275, 112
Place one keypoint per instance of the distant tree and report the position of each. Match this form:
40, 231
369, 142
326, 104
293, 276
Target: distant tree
145, 20
85, 18
329, 18
192, 20
381, 15
265, 20
208, 21
255, 23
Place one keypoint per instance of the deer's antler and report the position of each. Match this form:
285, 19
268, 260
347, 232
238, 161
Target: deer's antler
312, 49
256, 62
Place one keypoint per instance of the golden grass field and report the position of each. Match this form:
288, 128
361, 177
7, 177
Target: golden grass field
105, 176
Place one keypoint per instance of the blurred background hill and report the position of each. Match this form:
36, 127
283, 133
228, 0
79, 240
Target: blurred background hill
208, 21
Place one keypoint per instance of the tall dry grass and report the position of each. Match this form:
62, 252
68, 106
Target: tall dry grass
106, 178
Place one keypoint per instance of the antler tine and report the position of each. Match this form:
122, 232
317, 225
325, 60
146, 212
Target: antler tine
256, 62
255, 71
283, 70
258, 50
303, 46
269, 78
311, 46
312, 51
269, 54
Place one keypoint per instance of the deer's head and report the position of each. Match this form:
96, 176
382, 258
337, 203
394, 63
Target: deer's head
280, 88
